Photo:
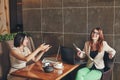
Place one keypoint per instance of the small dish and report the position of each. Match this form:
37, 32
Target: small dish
48, 69
59, 67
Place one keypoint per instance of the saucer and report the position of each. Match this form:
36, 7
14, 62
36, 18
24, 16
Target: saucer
59, 67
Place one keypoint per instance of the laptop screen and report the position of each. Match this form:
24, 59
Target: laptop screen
52, 59
68, 55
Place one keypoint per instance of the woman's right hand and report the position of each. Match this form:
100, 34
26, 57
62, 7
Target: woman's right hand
43, 47
81, 54
78, 53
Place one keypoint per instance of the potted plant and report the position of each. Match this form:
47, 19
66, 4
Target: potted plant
5, 40
10, 36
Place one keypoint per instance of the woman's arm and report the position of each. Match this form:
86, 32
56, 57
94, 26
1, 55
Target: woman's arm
110, 50
40, 54
14, 53
82, 54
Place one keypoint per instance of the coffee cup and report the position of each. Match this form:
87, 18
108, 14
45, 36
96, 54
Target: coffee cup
60, 71
58, 65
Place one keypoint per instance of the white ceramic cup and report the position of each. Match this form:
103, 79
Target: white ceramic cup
60, 71
58, 65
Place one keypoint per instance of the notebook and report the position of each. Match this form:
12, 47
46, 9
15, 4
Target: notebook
82, 52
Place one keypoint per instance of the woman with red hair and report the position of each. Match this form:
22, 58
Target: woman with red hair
94, 49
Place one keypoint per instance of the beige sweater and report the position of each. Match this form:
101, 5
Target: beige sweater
98, 60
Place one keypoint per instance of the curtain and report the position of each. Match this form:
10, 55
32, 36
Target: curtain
4, 17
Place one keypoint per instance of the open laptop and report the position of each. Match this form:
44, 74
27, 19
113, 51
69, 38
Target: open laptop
69, 55
52, 59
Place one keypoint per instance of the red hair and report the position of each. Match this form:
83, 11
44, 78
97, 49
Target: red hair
100, 39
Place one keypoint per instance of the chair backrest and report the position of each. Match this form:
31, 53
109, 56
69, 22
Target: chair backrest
109, 64
5, 66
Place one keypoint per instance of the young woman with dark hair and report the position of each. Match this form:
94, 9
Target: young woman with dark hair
20, 54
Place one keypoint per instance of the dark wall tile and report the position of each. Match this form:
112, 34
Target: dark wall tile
32, 20
117, 2
37, 38
102, 17
52, 20
75, 20
117, 59
55, 40
74, 3
79, 40
117, 21
116, 71
117, 47
31, 3
100, 2
51, 3
109, 39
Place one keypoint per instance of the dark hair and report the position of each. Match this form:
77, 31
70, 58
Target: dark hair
19, 38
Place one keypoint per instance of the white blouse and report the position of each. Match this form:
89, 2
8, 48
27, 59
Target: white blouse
16, 63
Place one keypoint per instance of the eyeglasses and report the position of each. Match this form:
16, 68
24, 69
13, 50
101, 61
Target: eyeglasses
97, 33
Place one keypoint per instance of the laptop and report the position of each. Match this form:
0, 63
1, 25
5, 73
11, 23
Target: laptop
52, 59
69, 55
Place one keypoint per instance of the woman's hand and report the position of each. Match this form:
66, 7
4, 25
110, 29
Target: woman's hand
43, 47
110, 56
81, 54
47, 49
78, 53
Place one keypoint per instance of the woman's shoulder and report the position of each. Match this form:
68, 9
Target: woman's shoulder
104, 42
14, 48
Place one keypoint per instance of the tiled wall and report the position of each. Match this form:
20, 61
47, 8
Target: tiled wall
70, 21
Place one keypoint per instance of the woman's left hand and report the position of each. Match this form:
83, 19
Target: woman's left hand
45, 50
110, 56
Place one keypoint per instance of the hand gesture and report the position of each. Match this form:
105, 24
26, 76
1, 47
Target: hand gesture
43, 47
47, 48
110, 56
78, 53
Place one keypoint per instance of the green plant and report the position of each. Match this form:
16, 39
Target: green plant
10, 36
7, 37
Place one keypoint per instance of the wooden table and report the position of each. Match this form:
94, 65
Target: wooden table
35, 71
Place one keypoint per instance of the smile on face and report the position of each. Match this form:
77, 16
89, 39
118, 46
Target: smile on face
95, 35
